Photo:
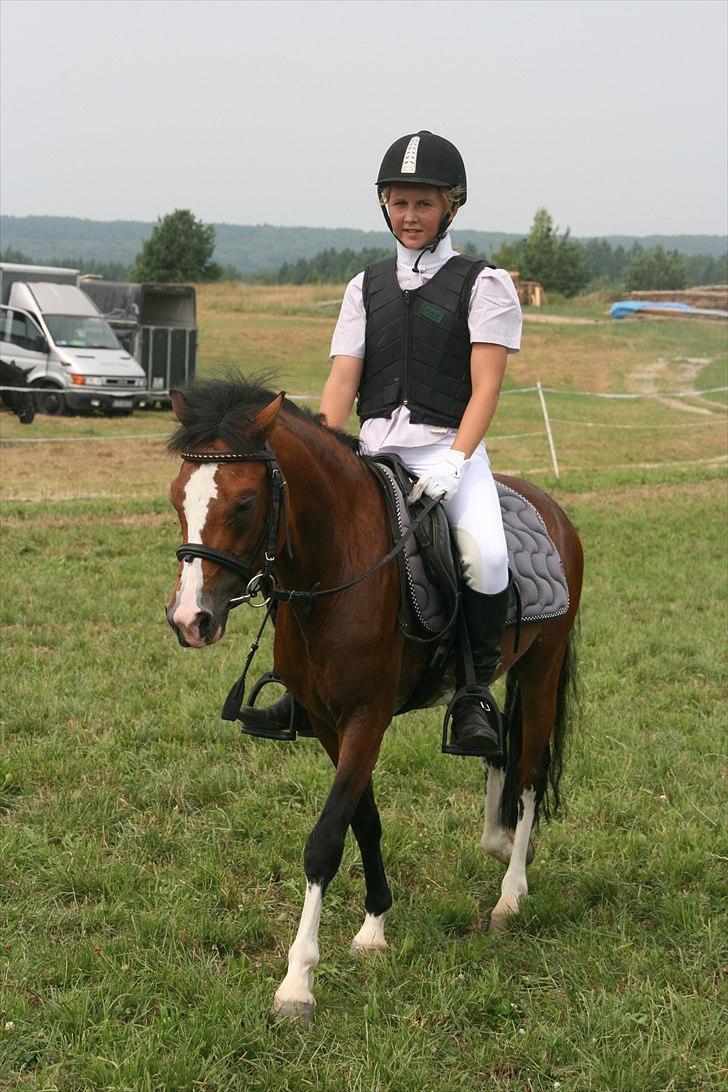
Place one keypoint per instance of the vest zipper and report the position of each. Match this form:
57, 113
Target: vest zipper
407, 354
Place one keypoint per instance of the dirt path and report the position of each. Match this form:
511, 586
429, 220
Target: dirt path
562, 320
682, 371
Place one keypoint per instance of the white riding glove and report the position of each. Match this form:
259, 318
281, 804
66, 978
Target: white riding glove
444, 479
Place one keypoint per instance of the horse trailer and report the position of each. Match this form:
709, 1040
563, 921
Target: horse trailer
157, 323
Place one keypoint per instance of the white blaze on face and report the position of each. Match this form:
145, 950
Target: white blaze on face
200, 490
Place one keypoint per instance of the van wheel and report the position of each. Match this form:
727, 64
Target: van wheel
51, 403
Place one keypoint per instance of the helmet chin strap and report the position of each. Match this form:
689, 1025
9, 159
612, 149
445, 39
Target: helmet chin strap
441, 233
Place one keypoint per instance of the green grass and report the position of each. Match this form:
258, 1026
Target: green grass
152, 875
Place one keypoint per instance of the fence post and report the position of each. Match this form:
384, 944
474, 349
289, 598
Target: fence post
552, 448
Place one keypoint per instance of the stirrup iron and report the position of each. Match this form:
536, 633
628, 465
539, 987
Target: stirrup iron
252, 726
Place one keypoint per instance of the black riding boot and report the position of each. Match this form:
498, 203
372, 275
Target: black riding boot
284, 718
477, 725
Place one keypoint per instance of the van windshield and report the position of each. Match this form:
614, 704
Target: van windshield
81, 332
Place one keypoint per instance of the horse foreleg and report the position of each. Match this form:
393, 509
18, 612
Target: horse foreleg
367, 828
294, 998
322, 856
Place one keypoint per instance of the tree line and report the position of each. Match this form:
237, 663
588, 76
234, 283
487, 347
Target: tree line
181, 249
558, 262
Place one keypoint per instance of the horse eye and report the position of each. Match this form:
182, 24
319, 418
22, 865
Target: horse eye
242, 507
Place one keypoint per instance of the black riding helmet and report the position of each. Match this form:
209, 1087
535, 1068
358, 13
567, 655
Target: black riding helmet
428, 160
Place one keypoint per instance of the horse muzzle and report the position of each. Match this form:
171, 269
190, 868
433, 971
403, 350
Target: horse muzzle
198, 629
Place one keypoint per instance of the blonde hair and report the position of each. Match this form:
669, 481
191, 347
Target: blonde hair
451, 196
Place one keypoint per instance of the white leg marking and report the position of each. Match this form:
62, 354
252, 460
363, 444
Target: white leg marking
201, 488
294, 997
515, 886
370, 937
495, 838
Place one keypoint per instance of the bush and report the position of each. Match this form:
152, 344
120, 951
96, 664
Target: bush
180, 248
554, 260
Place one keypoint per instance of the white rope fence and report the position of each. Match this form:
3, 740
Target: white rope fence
604, 394
716, 418
141, 392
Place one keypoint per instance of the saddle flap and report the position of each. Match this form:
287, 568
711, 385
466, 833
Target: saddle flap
428, 564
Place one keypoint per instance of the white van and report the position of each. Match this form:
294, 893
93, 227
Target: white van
52, 331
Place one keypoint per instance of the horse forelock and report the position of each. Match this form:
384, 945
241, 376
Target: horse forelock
219, 409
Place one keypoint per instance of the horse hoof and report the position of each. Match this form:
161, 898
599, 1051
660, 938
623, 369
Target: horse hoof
357, 948
499, 923
298, 1012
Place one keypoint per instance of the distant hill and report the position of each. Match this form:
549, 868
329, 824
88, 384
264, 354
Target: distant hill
258, 248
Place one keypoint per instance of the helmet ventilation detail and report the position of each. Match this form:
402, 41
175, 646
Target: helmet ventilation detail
409, 163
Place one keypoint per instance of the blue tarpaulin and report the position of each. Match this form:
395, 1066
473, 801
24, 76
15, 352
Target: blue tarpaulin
628, 307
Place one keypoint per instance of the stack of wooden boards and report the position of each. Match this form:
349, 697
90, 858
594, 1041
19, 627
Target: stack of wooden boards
528, 291
704, 298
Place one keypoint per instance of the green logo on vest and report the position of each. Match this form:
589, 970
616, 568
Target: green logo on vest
429, 311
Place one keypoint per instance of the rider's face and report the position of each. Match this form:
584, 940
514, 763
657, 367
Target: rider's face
416, 213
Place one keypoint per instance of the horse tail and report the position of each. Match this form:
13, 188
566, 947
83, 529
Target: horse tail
548, 797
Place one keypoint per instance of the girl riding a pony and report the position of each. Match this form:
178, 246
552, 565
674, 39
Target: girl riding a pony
421, 344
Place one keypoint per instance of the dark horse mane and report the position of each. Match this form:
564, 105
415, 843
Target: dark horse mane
218, 407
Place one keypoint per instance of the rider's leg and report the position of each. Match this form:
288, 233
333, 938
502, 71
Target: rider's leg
475, 515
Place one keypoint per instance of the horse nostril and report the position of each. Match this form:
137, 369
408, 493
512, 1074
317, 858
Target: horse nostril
205, 625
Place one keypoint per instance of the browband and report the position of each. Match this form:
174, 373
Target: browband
227, 457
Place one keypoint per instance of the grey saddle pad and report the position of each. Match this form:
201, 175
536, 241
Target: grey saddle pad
532, 556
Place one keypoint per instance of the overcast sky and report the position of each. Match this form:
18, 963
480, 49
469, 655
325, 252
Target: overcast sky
611, 114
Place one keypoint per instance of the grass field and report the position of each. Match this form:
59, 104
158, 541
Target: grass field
152, 874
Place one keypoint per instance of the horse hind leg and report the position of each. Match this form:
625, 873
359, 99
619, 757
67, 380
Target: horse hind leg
522, 785
497, 839
538, 708
367, 828
514, 887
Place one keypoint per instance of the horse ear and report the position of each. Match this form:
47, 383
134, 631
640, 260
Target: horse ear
179, 406
262, 423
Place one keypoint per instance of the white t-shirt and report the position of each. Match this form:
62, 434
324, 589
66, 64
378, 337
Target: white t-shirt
494, 316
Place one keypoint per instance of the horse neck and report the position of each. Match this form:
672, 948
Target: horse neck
328, 492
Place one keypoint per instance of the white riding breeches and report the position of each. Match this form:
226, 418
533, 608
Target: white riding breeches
473, 513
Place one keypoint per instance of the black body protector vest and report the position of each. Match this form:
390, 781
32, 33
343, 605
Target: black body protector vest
417, 343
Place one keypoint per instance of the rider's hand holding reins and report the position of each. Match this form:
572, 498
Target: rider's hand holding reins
444, 479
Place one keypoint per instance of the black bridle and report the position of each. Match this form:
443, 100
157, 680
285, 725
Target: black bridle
263, 580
